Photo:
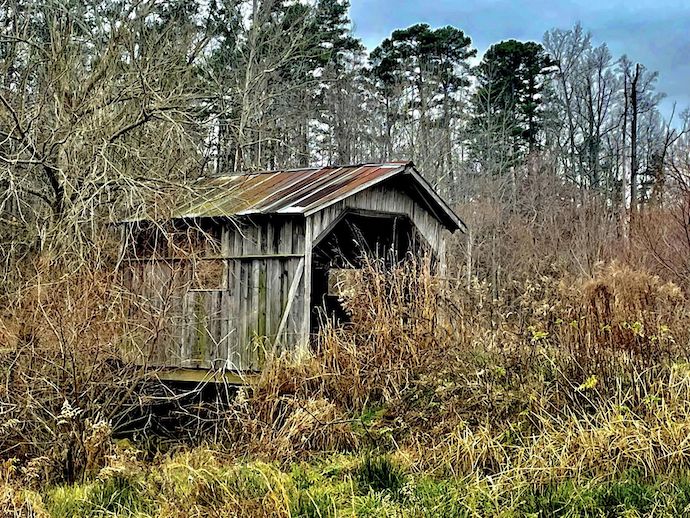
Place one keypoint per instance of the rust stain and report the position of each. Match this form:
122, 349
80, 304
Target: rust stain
300, 191
294, 191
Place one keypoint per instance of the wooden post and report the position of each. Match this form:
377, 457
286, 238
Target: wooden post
303, 343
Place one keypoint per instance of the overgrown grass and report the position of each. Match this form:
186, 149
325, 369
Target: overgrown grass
565, 397
349, 485
115, 496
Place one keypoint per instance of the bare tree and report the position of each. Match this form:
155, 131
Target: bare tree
90, 100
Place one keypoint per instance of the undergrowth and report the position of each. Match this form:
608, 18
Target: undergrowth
344, 485
560, 397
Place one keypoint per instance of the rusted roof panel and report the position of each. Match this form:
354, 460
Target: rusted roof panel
281, 192
297, 191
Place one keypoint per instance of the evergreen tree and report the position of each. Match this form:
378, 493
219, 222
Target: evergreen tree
338, 98
420, 74
508, 103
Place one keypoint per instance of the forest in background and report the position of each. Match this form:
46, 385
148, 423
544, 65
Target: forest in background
547, 375
106, 104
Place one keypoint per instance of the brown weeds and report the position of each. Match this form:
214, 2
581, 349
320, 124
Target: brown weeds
586, 378
65, 382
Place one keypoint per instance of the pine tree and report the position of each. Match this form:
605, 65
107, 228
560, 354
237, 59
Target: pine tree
420, 75
508, 105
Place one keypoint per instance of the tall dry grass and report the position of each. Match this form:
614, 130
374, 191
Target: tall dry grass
555, 381
66, 377
551, 377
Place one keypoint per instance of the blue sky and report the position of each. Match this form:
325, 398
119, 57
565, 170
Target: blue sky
655, 33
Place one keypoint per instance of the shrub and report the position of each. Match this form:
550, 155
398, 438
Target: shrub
66, 384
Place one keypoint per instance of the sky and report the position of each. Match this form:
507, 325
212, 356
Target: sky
655, 33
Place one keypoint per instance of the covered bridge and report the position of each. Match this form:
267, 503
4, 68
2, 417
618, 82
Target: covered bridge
242, 267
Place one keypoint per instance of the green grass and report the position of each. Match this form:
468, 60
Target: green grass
114, 497
631, 495
379, 473
363, 485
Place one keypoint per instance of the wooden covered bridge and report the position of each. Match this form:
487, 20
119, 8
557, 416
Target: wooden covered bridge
244, 265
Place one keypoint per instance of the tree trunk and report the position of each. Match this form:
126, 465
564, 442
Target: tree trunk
633, 142
624, 174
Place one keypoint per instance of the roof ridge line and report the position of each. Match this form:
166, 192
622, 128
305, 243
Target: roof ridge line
391, 163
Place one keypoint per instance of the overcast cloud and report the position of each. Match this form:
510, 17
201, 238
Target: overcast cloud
655, 33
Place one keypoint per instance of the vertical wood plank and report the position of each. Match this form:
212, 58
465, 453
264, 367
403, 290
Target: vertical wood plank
253, 328
224, 317
303, 340
244, 339
188, 335
235, 319
273, 290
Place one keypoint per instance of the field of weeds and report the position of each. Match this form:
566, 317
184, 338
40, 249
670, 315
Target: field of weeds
560, 397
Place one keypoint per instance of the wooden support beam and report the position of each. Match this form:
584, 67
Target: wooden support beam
191, 375
291, 297
306, 311
214, 257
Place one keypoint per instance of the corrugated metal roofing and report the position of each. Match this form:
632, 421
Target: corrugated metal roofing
297, 191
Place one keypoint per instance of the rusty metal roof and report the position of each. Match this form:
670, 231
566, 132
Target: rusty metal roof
300, 191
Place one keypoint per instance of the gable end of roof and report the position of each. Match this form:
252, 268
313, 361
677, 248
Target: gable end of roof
301, 192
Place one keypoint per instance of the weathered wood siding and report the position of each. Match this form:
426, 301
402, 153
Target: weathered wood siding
383, 199
223, 308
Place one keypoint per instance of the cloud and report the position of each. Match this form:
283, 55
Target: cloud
653, 32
